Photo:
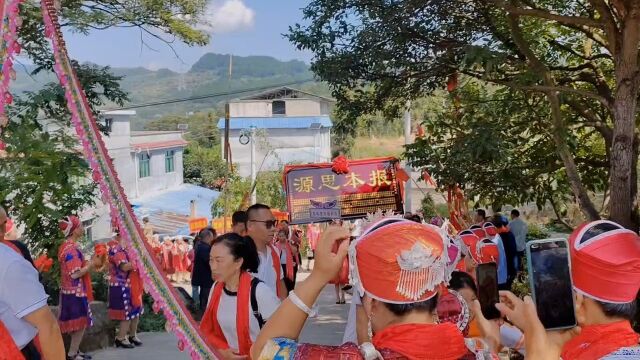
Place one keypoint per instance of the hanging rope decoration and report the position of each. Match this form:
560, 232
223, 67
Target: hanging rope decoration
103, 173
9, 47
456, 200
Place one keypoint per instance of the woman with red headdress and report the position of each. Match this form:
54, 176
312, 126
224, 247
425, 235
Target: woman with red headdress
125, 294
76, 292
397, 268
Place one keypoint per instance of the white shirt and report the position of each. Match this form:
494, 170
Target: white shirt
283, 255
266, 272
20, 295
519, 229
350, 333
268, 303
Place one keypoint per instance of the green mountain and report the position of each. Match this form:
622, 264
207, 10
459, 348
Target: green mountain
209, 75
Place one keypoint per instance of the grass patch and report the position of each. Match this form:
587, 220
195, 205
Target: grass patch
366, 147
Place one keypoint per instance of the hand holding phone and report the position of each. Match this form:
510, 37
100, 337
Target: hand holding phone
551, 285
487, 279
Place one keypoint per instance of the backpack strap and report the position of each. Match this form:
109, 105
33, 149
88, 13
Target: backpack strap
254, 302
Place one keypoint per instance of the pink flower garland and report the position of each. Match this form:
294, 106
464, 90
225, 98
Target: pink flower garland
112, 193
8, 49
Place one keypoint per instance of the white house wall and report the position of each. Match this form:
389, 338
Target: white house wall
250, 109
140, 137
293, 107
291, 145
159, 179
302, 107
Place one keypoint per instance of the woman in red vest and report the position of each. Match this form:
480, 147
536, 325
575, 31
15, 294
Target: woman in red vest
239, 304
125, 294
76, 292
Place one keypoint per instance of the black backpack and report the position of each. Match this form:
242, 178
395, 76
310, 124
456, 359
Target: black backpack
254, 302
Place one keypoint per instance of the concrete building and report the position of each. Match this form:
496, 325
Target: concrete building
150, 169
291, 126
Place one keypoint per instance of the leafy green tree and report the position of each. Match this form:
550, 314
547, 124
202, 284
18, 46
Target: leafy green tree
44, 177
270, 190
202, 127
204, 166
498, 147
582, 56
233, 196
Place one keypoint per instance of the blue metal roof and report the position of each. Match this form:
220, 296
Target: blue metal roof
280, 122
177, 201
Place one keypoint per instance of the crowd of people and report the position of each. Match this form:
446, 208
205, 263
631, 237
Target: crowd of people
415, 294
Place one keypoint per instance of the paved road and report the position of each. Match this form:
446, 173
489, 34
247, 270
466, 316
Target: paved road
326, 328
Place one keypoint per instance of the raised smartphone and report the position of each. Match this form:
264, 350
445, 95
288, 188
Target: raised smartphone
487, 279
551, 286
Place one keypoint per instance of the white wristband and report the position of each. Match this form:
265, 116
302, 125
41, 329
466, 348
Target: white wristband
302, 306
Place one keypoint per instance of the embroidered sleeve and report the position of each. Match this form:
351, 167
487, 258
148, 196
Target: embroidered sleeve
72, 260
279, 349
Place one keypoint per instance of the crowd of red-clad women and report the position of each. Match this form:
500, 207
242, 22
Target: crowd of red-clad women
413, 283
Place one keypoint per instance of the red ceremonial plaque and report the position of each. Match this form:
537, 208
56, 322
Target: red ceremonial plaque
315, 193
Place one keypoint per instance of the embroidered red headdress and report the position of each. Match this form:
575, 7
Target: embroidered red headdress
484, 251
69, 224
605, 261
478, 231
399, 261
468, 237
453, 309
490, 229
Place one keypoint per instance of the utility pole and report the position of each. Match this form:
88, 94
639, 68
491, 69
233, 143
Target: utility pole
227, 148
227, 159
407, 168
253, 164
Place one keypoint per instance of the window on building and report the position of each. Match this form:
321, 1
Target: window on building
88, 229
108, 125
169, 166
278, 107
145, 165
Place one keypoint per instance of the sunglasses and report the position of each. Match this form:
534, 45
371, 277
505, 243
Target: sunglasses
268, 223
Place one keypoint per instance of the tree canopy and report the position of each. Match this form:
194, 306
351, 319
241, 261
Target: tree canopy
44, 176
581, 56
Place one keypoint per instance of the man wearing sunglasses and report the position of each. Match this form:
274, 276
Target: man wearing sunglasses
261, 228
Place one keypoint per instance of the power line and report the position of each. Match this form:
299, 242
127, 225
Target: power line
224, 93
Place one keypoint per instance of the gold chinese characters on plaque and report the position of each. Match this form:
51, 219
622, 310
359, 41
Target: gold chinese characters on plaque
369, 186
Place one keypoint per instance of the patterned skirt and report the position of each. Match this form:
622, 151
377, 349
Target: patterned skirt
75, 313
120, 307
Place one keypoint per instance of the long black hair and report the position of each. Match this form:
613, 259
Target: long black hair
241, 247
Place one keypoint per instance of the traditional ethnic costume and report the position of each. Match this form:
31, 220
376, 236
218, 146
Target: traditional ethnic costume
75, 294
452, 308
605, 266
167, 257
289, 260
313, 234
398, 262
125, 287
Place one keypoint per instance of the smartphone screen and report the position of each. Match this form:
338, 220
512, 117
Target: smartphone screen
550, 277
487, 278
